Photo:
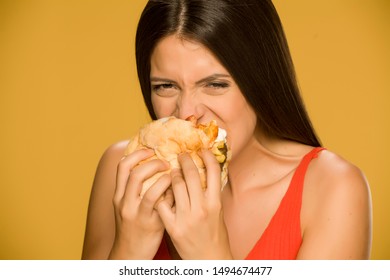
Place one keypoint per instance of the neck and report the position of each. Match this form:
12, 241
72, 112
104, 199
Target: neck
263, 162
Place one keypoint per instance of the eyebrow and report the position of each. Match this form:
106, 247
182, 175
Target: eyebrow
212, 78
201, 81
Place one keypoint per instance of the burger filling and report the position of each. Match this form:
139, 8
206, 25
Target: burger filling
219, 148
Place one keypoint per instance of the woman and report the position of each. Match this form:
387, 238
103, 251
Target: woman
287, 198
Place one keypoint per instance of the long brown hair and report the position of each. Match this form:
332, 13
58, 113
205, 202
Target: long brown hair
248, 39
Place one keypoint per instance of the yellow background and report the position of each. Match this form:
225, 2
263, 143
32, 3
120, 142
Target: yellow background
68, 89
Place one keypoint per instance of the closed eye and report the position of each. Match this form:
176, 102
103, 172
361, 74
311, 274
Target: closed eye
165, 89
157, 87
217, 85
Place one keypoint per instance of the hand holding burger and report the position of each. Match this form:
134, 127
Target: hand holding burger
170, 136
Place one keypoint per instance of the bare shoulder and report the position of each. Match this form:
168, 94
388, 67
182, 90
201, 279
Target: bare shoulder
114, 152
100, 227
336, 209
330, 173
106, 170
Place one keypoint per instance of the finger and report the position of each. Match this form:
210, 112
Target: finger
168, 197
126, 164
213, 178
155, 194
167, 214
192, 178
140, 174
180, 192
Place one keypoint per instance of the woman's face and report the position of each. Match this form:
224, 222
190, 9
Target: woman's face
186, 79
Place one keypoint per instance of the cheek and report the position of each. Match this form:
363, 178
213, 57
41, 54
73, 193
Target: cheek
241, 123
163, 107
238, 111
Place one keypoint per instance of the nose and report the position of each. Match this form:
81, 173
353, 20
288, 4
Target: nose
188, 105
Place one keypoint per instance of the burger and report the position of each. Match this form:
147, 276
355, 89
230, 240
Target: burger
170, 136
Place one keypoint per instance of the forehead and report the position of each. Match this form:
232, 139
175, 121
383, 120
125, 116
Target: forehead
174, 42
174, 53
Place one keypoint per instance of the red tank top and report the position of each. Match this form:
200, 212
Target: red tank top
282, 238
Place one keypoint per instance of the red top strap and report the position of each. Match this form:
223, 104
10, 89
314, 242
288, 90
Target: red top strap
282, 238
